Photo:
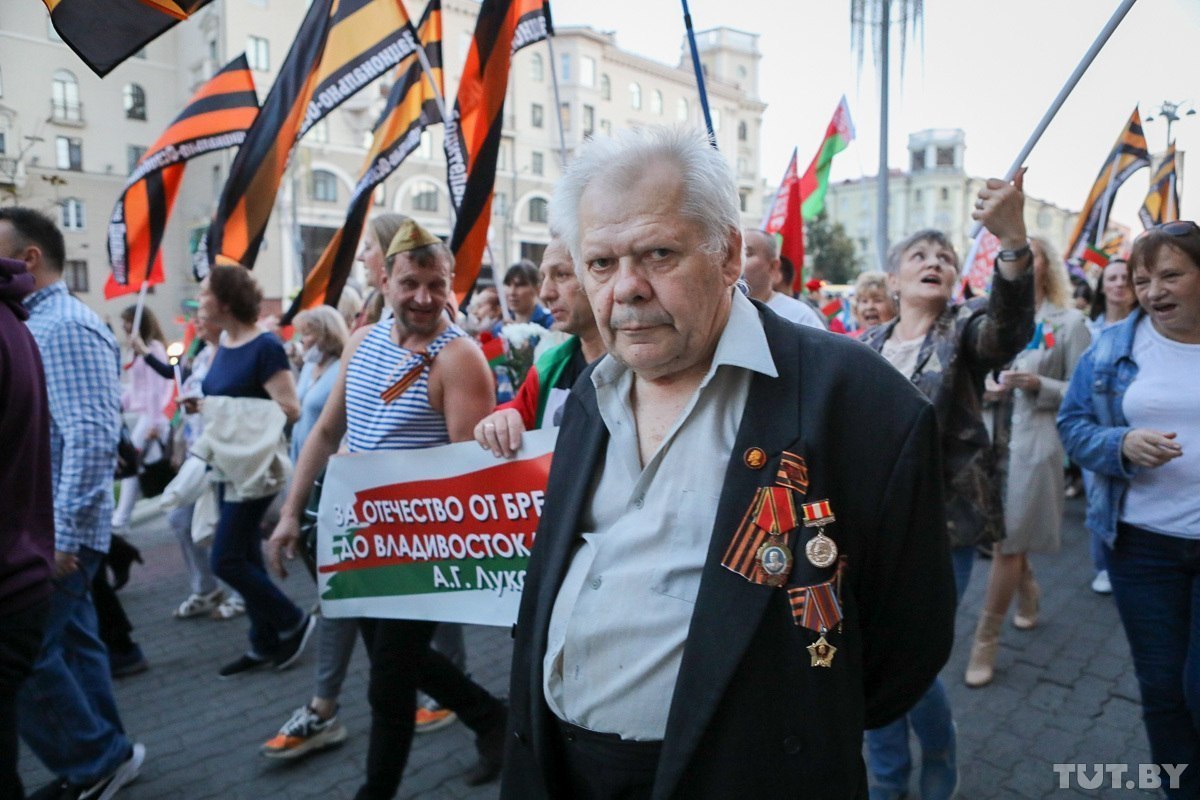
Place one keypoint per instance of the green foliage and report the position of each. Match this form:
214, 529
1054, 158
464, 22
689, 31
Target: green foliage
833, 256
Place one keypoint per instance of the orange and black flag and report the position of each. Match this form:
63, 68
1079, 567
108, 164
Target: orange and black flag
106, 32
342, 45
473, 130
411, 107
218, 116
1127, 156
1162, 203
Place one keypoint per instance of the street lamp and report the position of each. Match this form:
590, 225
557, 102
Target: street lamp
1172, 112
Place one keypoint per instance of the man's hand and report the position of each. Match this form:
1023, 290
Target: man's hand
283, 543
501, 432
1025, 381
65, 563
1148, 448
1001, 209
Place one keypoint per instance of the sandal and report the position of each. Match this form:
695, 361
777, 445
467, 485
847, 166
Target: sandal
232, 606
198, 604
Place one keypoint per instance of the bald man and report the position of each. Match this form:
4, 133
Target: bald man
760, 269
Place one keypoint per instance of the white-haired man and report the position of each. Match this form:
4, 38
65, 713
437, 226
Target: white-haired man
741, 562
761, 271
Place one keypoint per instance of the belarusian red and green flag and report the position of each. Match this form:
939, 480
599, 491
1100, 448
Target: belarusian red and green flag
815, 180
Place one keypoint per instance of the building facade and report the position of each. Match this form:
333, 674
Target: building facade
68, 139
935, 192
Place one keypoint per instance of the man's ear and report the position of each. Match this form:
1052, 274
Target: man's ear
732, 268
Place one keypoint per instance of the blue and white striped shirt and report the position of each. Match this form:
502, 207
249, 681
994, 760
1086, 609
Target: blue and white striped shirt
408, 422
83, 381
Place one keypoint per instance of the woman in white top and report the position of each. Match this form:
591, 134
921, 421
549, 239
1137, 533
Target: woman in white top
1132, 417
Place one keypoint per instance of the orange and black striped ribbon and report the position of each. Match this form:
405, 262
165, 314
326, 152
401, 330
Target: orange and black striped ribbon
741, 555
411, 107
103, 33
792, 473
776, 510
1127, 156
818, 607
473, 132
1162, 202
216, 117
405, 382
342, 45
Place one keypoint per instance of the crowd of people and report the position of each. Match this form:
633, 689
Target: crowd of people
757, 512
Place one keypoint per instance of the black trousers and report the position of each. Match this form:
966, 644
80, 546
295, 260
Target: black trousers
603, 766
111, 620
401, 662
20, 643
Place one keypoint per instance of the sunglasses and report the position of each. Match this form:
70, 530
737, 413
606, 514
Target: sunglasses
1183, 227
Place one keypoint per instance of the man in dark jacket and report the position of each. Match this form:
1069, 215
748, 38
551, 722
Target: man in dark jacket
742, 560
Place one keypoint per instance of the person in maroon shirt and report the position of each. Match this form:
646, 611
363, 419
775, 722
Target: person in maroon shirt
27, 525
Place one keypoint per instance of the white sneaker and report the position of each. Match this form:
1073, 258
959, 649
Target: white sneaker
1102, 585
198, 604
127, 773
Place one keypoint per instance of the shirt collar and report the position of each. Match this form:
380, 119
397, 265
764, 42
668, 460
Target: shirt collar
45, 293
743, 344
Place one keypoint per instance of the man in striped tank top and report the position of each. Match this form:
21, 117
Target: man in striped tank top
412, 381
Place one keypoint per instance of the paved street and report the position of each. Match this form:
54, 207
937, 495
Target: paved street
1064, 692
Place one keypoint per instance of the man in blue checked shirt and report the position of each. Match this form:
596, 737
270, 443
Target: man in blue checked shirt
66, 710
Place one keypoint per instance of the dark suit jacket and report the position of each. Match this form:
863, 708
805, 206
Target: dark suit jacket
750, 717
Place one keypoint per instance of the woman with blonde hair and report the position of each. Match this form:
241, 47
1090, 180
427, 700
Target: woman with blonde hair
373, 254
873, 304
1033, 388
323, 335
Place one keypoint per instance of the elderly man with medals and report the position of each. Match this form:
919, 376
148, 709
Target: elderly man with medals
742, 561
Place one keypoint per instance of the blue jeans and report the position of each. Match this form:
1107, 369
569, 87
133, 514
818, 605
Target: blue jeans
931, 718
1156, 586
237, 559
1095, 541
65, 710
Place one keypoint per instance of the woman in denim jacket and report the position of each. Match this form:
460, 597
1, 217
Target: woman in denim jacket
1132, 417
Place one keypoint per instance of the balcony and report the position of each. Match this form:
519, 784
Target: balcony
66, 113
11, 173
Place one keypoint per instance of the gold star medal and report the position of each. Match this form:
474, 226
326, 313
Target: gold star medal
822, 652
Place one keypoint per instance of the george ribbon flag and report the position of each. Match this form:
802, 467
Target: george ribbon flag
106, 32
472, 137
217, 117
342, 45
1162, 202
411, 107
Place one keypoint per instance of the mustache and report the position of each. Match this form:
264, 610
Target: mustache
638, 318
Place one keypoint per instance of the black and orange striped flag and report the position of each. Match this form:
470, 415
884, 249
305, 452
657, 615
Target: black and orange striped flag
106, 32
473, 130
218, 116
342, 45
1127, 156
1162, 203
411, 107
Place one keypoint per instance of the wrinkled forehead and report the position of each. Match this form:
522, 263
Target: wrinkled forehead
556, 257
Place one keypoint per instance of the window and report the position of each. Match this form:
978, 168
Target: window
606, 127
68, 153
564, 115
322, 186
536, 115
917, 196
258, 53
3, 142
605, 88
64, 98
587, 71
945, 156
743, 199
75, 274
565, 60
71, 214
133, 154
135, 101
537, 68
500, 203
537, 164
589, 120
425, 197
945, 194
918, 160
319, 132
743, 132
656, 102
425, 148
681, 110
635, 96
539, 210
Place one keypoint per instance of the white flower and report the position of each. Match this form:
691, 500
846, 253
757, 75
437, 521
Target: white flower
519, 335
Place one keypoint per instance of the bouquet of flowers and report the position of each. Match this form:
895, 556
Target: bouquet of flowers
522, 338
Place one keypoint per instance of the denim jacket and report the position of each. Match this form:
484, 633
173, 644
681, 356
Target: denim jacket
1093, 426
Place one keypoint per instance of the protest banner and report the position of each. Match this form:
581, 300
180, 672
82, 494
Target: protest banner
442, 534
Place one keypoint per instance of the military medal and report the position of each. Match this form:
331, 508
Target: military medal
792, 473
759, 550
774, 560
822, 652
820, 550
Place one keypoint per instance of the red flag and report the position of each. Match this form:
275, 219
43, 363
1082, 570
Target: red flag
784, 219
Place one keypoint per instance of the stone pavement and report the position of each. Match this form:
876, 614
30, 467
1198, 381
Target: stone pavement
1064, 692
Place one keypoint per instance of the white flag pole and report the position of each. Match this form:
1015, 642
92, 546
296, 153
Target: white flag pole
1082, 67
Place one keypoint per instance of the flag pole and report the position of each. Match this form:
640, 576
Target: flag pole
1109, 191
141, 304
427, 69
562, 136
699, 70
1055, 105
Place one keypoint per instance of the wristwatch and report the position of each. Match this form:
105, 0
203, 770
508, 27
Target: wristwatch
1014, 255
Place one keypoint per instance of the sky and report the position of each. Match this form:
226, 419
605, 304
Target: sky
991, 68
